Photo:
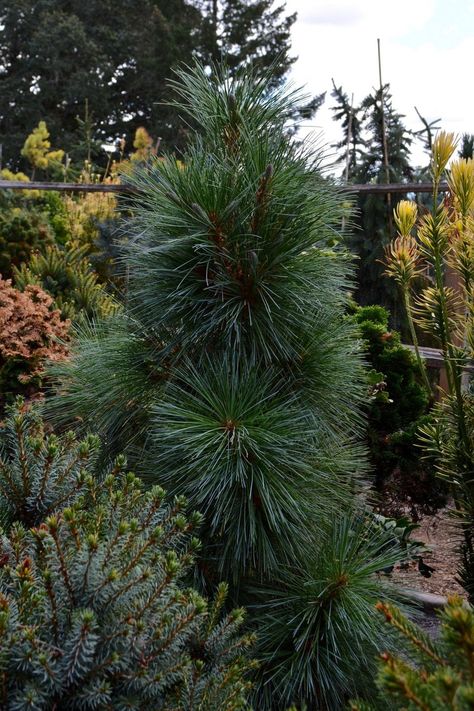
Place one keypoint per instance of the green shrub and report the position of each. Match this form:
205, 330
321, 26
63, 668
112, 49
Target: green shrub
94, 611
67, 275
433, 675
55, 208
398, 408
31, 333
23, 230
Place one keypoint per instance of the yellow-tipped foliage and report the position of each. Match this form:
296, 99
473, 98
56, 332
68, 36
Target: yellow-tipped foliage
434, 235
405, 215
402, 258
445, 239
36, 148
143, 144
19, 177
432, 675
433, 306
461, 185
444, 146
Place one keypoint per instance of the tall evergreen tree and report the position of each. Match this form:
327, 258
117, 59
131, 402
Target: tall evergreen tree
248, 31
116, 54
252, 32
467, 146
349, 116
63, 62
234, 364
373, 162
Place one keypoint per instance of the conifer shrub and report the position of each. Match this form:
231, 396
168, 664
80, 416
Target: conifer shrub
32, 332
41, 473
94, 608
233, 376
233, 357
399, 406
23, 230
66, 274
433, 674
54, 206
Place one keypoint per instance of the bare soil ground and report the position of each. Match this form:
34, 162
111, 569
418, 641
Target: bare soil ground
441, 537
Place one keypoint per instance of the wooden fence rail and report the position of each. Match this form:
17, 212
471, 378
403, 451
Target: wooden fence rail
382, 189
433, 357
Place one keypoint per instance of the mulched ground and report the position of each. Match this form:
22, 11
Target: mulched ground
440, 535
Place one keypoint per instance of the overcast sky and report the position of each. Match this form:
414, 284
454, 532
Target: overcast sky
427, 56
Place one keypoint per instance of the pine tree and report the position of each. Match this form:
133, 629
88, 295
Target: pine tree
467, 146
351, 123
233, 369
94, 610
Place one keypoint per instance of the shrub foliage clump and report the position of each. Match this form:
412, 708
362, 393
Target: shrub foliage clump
67, 275
94, 610
432, 675
32, 332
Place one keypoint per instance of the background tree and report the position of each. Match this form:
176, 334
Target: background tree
257, 32
371, 231
466, 149
126, 52
349, 117
247, 32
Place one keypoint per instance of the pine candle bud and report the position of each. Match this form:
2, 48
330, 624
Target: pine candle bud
461, 184
157, 534
123, 528
157, 493
444, 146
52, 523
121, 461
92, 541
405, 215
36, 444
180, 502
52, 446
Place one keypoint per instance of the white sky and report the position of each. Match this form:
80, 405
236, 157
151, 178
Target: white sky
427, 57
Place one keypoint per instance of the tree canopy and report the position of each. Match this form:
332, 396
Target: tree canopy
63, 61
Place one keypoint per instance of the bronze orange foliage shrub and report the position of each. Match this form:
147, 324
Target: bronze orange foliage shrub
31, 333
